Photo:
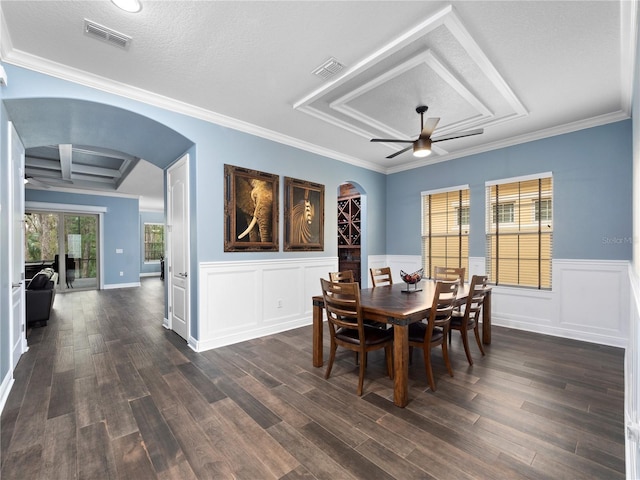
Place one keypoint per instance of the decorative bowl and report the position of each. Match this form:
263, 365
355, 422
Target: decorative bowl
412, 278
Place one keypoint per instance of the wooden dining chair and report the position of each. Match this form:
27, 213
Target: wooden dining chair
347, 328
449, 273
381, 276
345, 276
434, 332
469, 318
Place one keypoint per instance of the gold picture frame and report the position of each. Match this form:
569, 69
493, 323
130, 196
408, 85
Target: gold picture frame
250, 210
303, 215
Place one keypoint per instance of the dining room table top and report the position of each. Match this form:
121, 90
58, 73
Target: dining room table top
393, 304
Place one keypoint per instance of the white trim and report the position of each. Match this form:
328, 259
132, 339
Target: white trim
445, 190
150, 274
522, 178
85, 191
64, 207
5, 388
112, 286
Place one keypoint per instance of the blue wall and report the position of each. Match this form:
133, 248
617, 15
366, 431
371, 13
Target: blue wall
121, 231
592, 186
148, 217
212, 147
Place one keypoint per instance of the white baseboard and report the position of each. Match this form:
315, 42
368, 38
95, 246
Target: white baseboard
121, 285
5, 389
150, 274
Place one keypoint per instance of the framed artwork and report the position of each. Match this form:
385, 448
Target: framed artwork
303, 215
250, 210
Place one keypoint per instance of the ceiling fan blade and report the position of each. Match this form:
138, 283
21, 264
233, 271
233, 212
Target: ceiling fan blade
393, 140
459, 135
429, 127
37, 183
400, 151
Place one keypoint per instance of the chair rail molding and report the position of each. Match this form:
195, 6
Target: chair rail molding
242, 300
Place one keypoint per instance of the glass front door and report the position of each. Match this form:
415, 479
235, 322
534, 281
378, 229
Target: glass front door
80, 247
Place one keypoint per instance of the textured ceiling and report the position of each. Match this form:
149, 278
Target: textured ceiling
519, 69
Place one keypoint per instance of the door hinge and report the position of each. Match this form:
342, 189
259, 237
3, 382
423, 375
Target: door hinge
170, 309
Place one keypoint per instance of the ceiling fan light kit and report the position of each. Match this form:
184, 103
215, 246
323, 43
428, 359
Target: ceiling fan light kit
131, 6
422, 147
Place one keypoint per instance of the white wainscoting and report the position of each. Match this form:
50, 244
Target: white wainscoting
631, 385
589, 301
239, 301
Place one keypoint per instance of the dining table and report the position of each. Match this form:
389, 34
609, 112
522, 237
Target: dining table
399, 305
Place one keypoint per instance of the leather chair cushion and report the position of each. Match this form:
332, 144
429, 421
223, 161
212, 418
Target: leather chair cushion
373, 336
417, 332
40, 281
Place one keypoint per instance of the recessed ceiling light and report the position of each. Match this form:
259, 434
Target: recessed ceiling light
131, 6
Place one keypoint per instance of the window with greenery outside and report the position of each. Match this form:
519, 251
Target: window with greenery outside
153, 242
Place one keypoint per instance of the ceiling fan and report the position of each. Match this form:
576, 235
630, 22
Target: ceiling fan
45, 182
422, 146
34, 181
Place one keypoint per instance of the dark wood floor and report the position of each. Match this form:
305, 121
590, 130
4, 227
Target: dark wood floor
106, 392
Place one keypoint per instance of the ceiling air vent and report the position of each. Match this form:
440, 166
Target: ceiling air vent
106, 34
328, 68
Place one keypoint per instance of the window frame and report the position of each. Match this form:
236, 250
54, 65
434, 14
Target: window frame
456, 229
520, 232
145, 243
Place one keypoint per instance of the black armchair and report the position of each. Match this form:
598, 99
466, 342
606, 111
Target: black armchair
40, 293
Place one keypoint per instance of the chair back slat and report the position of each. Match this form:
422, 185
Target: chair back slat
381, 276
342, 304
444, 299
475, 300
345, 276
449, 273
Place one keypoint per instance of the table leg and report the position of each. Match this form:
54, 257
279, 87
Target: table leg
486, 319
400, 365
317, 335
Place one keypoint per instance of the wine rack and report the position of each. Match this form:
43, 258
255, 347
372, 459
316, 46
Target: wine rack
349, 234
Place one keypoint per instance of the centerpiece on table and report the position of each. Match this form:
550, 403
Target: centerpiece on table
412, 279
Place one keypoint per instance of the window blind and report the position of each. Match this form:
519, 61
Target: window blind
520, 232
445, 229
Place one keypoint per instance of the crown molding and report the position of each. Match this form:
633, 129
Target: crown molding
38, 64
529, 137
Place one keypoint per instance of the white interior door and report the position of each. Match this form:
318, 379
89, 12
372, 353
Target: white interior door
16, 247
178, 246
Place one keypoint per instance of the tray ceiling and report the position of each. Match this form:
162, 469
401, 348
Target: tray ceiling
522, 70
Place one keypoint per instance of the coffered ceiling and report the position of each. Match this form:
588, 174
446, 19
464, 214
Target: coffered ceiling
520, 70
